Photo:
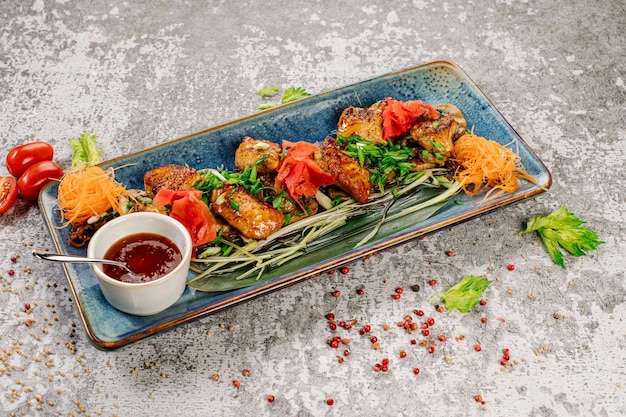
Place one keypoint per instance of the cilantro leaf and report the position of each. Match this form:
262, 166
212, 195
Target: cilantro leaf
85, 150
465, 294
293, 94
562, 229
268, 91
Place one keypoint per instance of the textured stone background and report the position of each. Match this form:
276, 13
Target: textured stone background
140, 73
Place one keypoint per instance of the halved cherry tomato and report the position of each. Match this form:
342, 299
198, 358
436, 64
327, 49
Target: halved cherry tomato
8, 193
20, 158
36, 176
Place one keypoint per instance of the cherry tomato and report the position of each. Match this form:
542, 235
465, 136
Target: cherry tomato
20, 158
36, 176
8, 193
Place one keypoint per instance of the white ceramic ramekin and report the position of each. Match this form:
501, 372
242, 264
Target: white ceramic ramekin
144, 298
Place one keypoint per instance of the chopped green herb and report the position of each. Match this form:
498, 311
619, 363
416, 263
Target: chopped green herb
381, 160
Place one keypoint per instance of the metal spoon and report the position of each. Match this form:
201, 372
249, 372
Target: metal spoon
60, 257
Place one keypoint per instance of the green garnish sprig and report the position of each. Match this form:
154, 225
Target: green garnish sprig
562, 229
290, 94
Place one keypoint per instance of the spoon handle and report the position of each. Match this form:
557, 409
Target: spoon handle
60, 257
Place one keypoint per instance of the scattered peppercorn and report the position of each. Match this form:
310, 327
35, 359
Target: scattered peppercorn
449, 253
336, 293
510, 267
415, 288
432, 282
416, 371
270, 398
330, 401
344, 270
360, 291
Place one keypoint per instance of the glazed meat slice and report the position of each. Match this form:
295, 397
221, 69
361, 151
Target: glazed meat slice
171, 176
254, 218
349, 175
251, 151
364, 122
437, 137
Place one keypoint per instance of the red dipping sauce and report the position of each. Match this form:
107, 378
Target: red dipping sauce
150, 255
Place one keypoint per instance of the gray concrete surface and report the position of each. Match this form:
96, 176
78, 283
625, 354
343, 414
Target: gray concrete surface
141, 73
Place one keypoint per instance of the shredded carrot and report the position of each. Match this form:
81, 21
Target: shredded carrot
484, 163
87, 192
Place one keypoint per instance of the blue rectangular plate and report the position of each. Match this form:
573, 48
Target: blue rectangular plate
310, 119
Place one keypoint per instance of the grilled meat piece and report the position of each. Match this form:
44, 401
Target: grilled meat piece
349, 175
171, 176
437, 137
250, 151
254, 218
311, 207
364, 122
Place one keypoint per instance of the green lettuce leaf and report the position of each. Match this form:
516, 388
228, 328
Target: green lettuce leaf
85, 151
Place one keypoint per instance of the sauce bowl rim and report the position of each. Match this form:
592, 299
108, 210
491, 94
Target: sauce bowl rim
186, 252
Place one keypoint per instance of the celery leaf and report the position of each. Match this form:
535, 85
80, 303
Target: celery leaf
562, 229
465, 294
293, 94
